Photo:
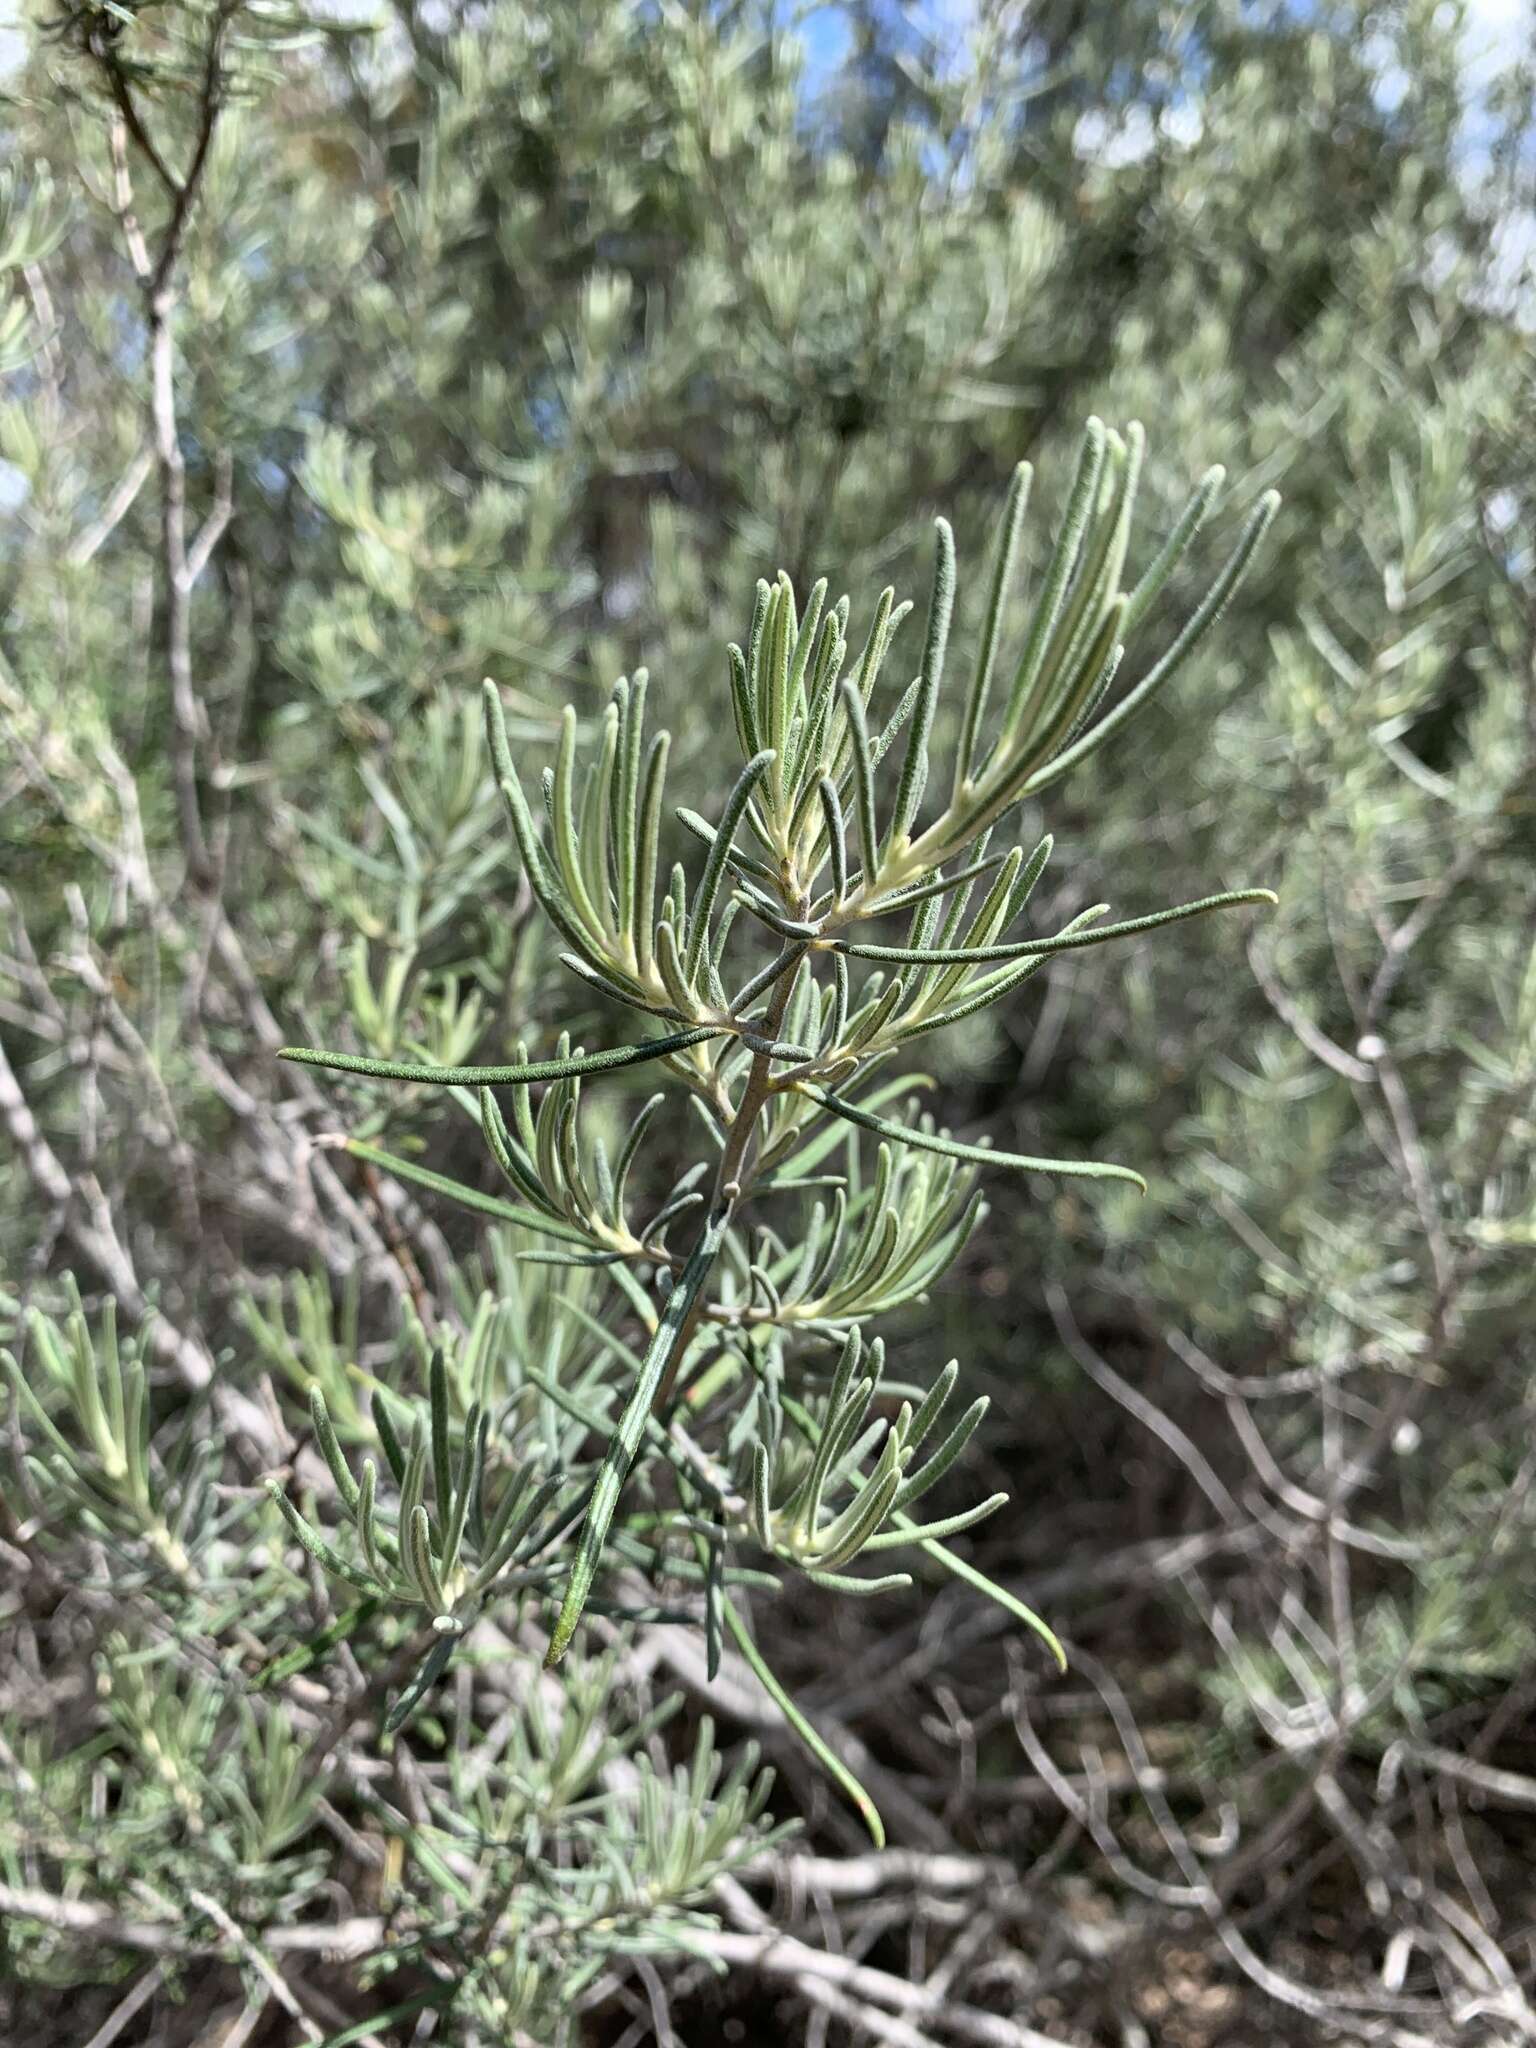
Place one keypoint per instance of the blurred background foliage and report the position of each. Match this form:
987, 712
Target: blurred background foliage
519, 340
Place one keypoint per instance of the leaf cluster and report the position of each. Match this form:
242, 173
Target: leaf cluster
778, 1013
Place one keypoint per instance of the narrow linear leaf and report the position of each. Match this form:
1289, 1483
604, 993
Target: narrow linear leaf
863, 782
1023, 949
914, 767
860, 1589
317, 1546
941, 885
837, 844
1169, 554
1009, 529
979, 1155
519, 1076
714, 867
625, 1441
827, 1758
1209, 611
466, 1197
646, 852
431, 1671
951, 1525
325, 1436
1009, 1602
1074, 526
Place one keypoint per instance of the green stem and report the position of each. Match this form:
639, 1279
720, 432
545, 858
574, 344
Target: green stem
731, 1172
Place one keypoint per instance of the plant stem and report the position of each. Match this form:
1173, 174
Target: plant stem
728, 1176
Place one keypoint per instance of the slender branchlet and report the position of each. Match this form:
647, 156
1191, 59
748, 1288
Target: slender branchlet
776, 1010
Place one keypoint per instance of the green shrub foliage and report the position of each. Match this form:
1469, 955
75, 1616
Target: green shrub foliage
493, 1171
